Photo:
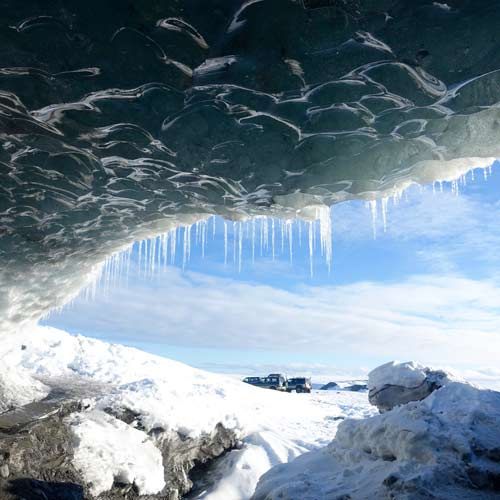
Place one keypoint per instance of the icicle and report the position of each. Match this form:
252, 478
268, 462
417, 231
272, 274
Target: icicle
384, 211
311, 250
153, 256
203, 239
261, 236
253, 240
240, 245
234, 242
373, 210
266, 232
290, 240
173, 245
225, 243
273, 239
166, 237
184, 248
325, 231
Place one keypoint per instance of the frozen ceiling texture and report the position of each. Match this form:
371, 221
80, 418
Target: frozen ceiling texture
122, 119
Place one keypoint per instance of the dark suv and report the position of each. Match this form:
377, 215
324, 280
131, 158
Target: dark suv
299, 384
274, 381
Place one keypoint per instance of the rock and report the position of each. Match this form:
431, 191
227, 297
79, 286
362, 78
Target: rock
336, 386
37, 450
356, 388
395, 384
329, 386
37, 456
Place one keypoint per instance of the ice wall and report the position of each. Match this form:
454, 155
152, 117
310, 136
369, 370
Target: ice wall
122, 121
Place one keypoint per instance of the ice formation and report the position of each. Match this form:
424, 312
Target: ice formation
123, 123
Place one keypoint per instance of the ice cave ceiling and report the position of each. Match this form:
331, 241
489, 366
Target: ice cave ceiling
120, 119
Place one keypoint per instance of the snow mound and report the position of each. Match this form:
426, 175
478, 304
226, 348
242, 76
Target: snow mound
446, 446
108, 450
17, 387
409, 374
395, 383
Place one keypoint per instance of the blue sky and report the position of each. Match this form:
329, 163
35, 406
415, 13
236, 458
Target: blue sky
428, 288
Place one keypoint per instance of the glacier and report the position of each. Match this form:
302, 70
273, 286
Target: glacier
122, 123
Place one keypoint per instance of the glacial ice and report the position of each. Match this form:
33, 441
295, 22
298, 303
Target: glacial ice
128, 123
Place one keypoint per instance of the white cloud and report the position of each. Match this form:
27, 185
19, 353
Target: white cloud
445, 229
434, 319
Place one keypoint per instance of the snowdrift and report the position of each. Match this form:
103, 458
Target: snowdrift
445, 446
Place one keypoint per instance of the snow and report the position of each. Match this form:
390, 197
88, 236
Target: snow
18, 388
109, 450
408, 374
273, 427
444, 444
447, 442
282, 438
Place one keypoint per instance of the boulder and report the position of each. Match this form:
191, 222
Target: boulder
356, 388
329, 386
37, 454
394, 384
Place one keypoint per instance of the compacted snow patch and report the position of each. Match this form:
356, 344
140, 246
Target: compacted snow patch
18, 387
108, 450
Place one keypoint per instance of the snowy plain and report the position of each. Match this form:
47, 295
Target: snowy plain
273, 427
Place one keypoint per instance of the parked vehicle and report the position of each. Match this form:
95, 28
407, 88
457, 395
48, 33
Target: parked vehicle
275, 381
299, 384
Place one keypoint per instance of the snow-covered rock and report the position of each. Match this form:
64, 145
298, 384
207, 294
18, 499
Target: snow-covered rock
395, 383
17, 387
108, 450
446, 447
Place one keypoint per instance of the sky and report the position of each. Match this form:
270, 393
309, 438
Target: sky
426, 288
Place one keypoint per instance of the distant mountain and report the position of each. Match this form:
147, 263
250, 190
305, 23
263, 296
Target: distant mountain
350, 385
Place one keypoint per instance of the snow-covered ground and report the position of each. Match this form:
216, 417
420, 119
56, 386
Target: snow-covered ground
443, 444
274, 427
438, 435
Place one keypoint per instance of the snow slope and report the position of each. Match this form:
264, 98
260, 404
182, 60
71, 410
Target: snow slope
274, 427
445, 446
